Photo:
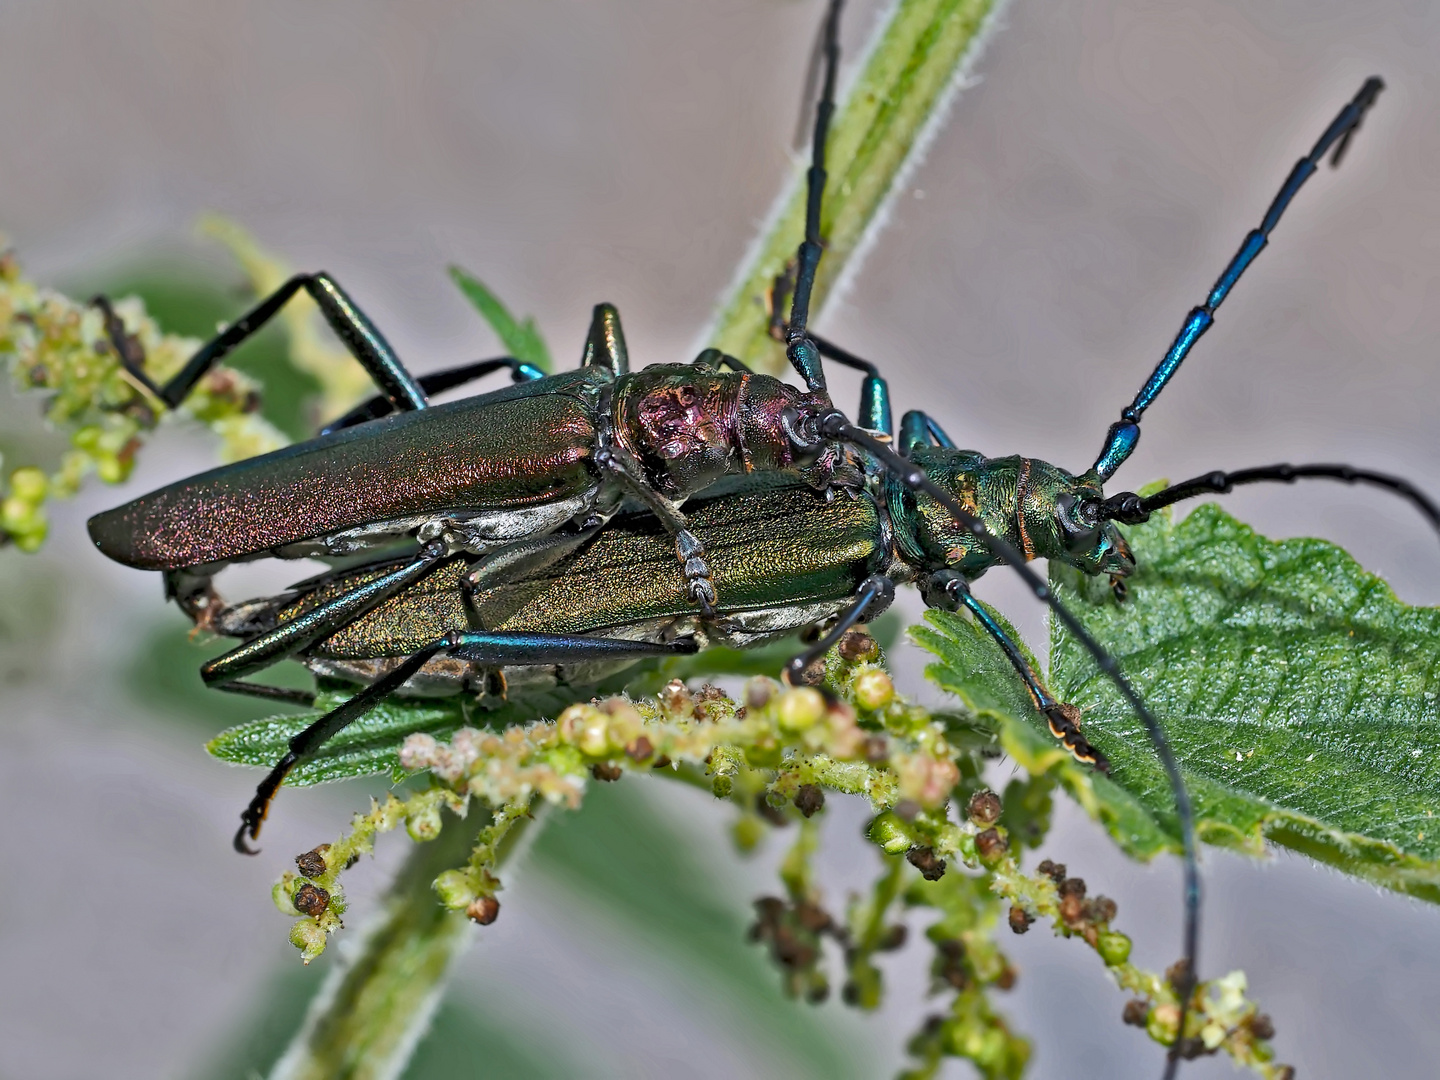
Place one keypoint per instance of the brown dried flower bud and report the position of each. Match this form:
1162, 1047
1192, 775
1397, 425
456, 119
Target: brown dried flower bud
984, 808
674, 697
484, 910
312, 863
311, 900
991, 845
1178, 974
924, 860
809, 800
1053, 870
858, 645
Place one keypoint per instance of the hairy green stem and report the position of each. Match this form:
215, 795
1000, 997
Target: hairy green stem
916, 61
375, 1007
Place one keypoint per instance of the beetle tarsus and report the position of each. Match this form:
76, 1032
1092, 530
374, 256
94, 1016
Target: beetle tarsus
246, 827
254, 815
1064, 723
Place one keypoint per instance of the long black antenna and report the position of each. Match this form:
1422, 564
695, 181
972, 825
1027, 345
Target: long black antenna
799, 348
1130, 509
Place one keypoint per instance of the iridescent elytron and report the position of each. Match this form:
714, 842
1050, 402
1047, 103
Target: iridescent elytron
500, 503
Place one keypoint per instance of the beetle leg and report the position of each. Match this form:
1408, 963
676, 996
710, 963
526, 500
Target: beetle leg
437, 382
920, 429
605, 343
688, 548
522, 558
714, 358
875, 594
127, 346
270, 693
353, 327
874, 413
949, 590
320, 622
478, 646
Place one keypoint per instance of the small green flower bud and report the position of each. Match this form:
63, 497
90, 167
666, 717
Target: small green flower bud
586, 728
1114, 948
891, 833
28, 484
87, 438
625, 723
110, 468
308, 938
455, 889
423, 824
873, 689
280, 894
749, 831
800, 709
1162, 1023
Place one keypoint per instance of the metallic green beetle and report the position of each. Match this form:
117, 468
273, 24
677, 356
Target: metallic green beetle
573, 606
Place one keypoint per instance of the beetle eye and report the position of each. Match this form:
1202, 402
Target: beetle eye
800, 429
1080, 520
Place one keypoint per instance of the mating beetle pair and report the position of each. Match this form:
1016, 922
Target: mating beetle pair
514, 490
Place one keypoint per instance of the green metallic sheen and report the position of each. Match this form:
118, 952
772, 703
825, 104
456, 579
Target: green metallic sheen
778, 549
1019, 499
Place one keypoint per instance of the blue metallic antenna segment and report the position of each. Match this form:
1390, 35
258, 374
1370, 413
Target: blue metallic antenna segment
1122, 437
1120, 442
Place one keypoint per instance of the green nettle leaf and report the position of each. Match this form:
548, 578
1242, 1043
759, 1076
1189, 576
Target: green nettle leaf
1299, 694
973, 669
368, 746
521, 337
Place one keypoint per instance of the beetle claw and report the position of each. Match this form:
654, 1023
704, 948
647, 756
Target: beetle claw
246, 826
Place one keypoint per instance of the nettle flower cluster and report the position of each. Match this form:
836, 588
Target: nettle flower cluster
60, 348
946, 843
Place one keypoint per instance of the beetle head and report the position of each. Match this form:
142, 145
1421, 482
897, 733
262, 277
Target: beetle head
780, 430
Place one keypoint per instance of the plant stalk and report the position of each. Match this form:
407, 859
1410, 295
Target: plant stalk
376, 1005
915, 64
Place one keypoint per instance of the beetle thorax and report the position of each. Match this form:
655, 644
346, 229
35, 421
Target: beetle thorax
690, 426
1014, 496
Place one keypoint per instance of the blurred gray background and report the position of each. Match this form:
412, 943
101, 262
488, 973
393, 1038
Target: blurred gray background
1081, 198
